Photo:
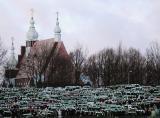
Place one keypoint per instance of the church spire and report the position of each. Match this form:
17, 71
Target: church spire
57, 22
12, 60
32, 33
12, 47
57, 30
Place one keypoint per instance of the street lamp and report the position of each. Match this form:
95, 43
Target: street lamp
129, 76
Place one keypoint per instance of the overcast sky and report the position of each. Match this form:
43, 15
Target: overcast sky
95, 24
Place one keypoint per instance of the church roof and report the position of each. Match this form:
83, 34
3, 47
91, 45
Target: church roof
57, 47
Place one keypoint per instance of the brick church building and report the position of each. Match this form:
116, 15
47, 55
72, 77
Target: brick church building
36, 62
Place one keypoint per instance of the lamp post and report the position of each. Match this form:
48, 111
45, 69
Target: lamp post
129, 76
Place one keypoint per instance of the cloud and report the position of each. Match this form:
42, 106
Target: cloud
95, 24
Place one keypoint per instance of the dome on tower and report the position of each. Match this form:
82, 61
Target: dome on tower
12, 62
32, 33
57, 29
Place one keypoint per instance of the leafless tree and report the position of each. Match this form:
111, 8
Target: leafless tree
44, 61
60, 71
3, 52
78, 58
3, 59
153, 64
92, 69
36, 62
111, 66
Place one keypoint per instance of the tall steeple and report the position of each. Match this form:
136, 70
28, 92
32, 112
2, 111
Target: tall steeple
12, 60
32, 33
57, 30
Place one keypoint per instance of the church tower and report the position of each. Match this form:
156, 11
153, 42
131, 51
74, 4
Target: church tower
12, 60
11, 69
32, 34
57, 30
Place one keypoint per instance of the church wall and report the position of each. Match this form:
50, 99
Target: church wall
23, 82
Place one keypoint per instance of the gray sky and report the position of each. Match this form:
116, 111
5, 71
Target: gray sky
95, 24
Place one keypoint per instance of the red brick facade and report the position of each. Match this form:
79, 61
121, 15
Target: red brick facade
22, 79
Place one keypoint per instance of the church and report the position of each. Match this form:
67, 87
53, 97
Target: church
40, 61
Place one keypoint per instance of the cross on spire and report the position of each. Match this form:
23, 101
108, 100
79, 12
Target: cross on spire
57, 22
57, 15
32, 33
12, 38
32, 12
57, 30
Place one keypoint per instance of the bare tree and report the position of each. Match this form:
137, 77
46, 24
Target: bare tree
35, 63
27, 69
92, 70
47, 63
119, 66
42, 54
60, 71
136, 66
3, 53
153, 64
3, 59
78, 58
